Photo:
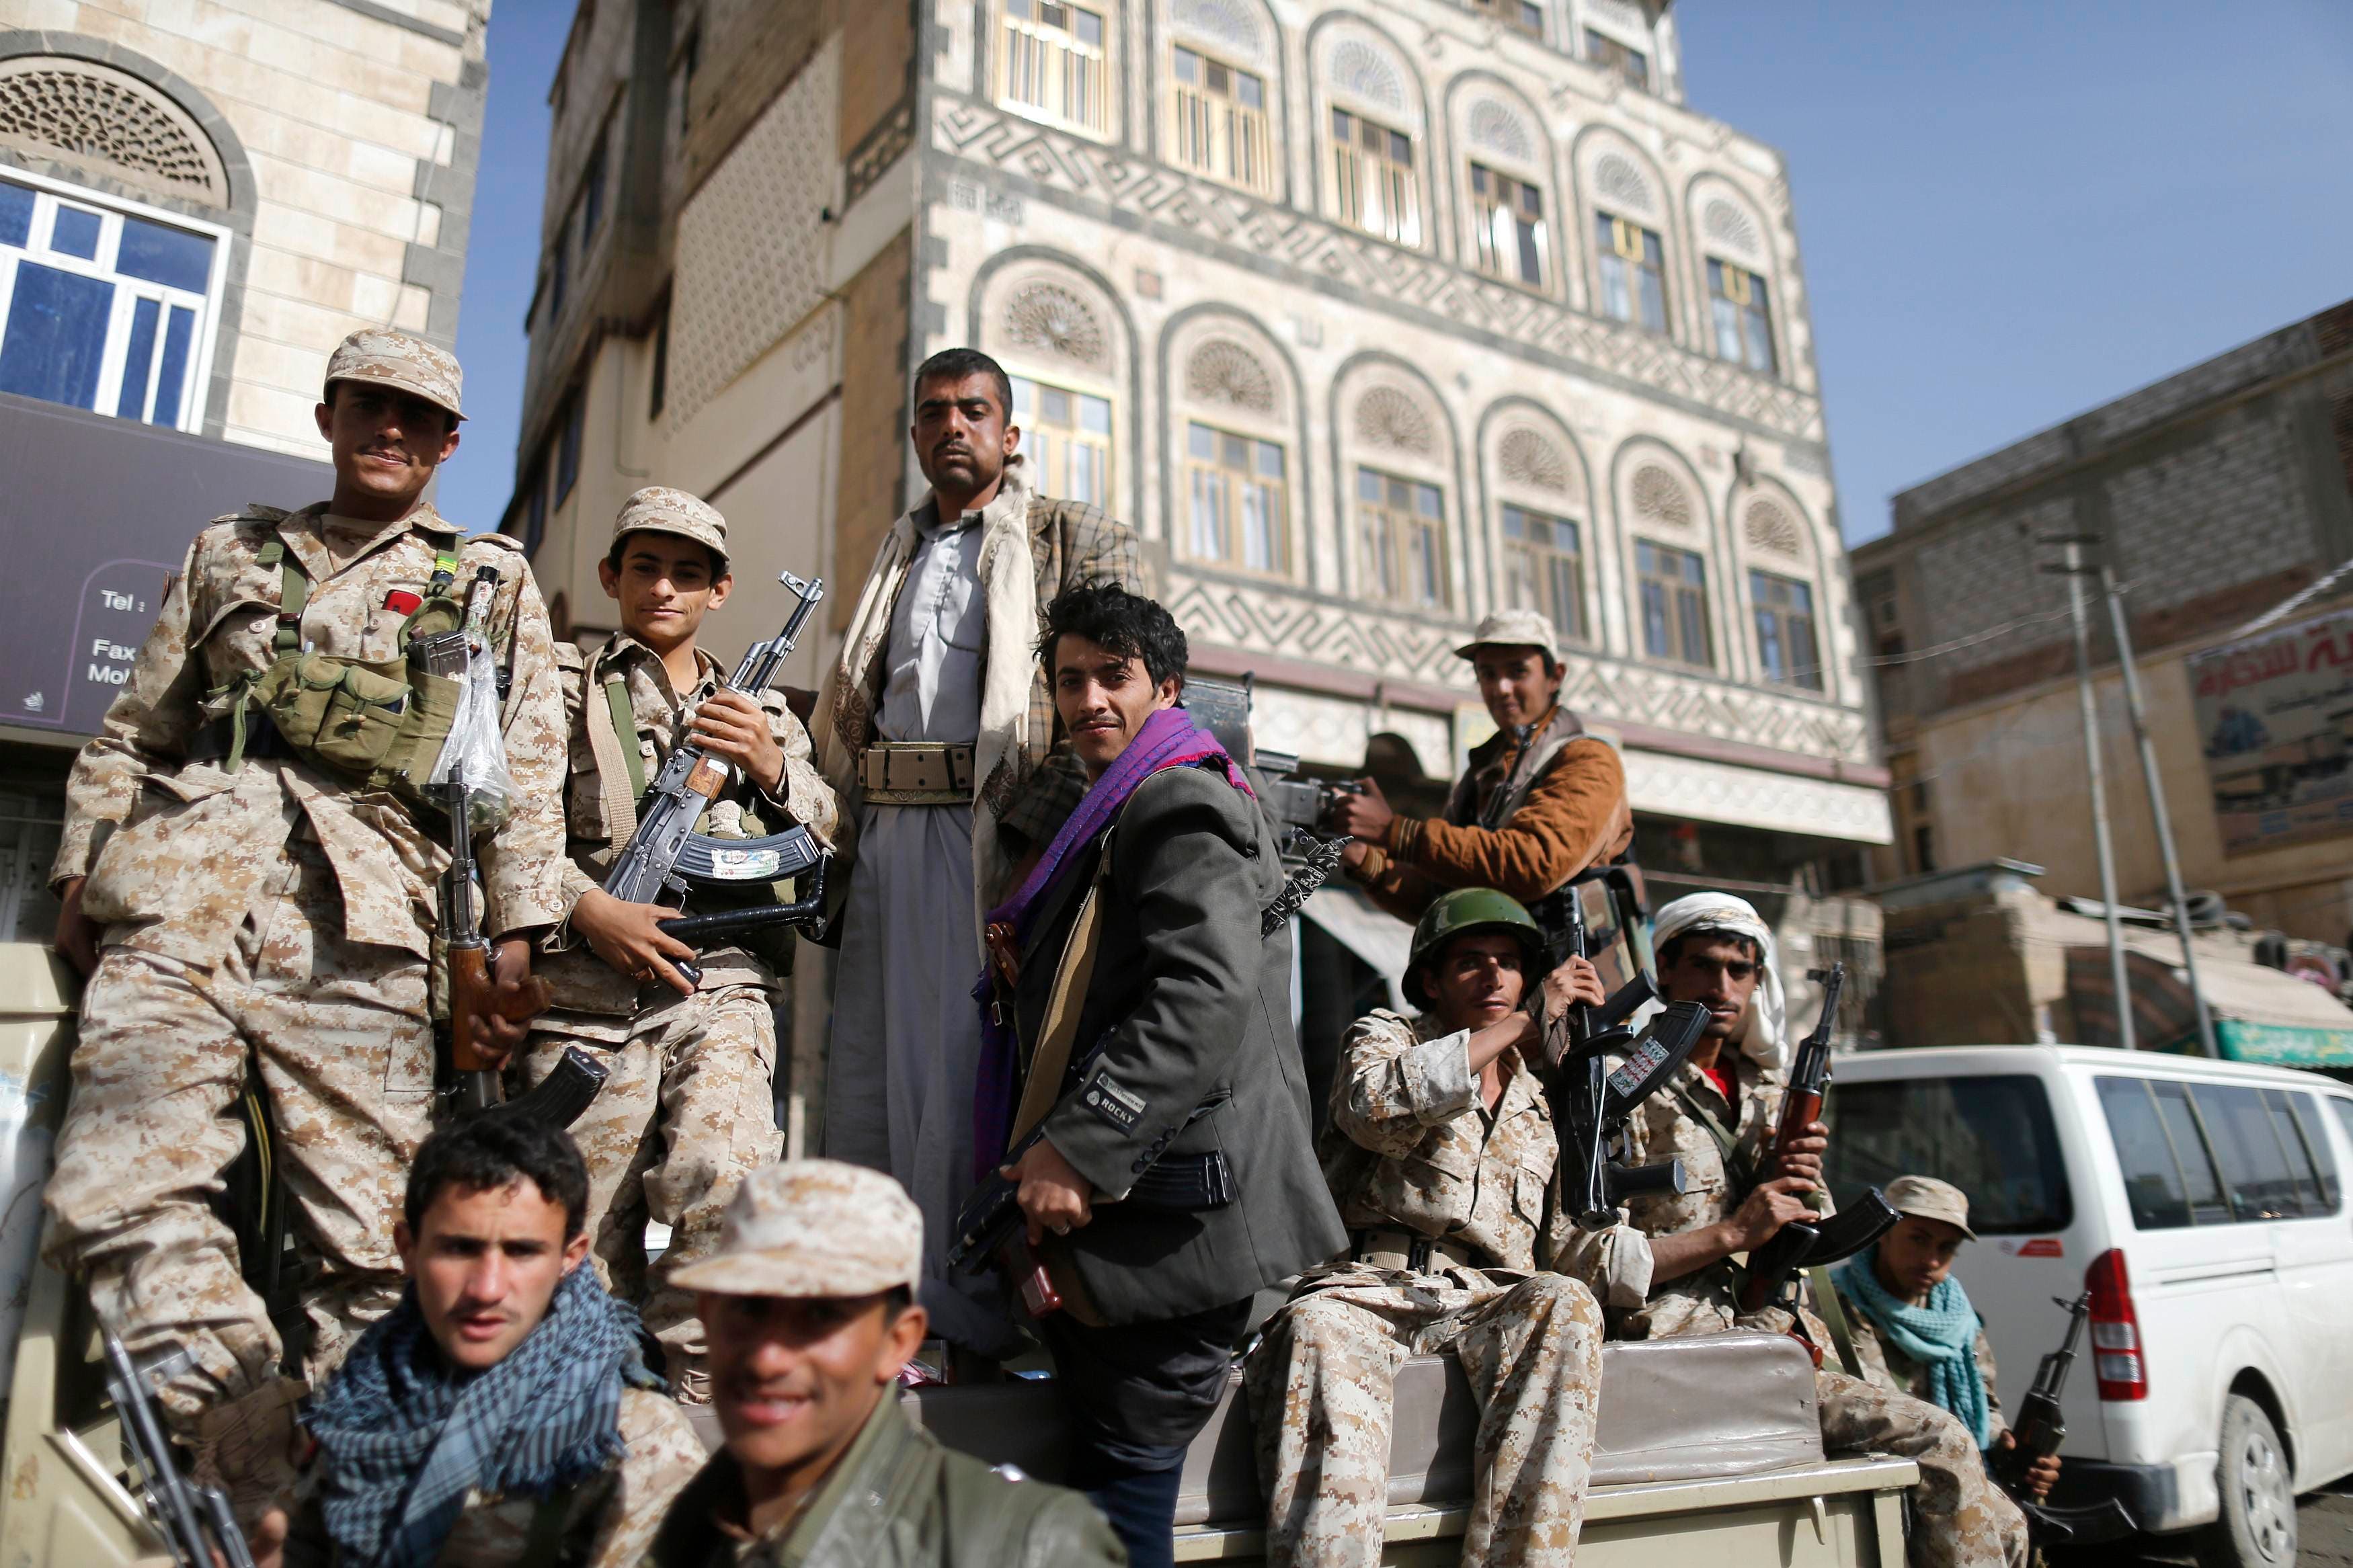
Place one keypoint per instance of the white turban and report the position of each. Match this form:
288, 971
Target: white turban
1760, 1031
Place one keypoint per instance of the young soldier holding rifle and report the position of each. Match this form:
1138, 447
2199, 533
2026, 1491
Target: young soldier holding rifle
688, 1109
1721, 1118
248, 868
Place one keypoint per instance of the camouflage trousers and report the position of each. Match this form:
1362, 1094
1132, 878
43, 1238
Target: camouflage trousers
335, 1035
1322, 1386
1959, 1518
689, 1111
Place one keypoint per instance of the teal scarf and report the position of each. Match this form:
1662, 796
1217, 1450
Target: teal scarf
1941, 1336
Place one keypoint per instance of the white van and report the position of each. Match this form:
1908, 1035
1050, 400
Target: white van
2202, 1205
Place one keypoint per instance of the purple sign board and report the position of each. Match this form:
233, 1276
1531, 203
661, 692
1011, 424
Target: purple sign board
95, 516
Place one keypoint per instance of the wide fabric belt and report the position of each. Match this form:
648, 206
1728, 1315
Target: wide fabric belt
916, 772
1414, 1253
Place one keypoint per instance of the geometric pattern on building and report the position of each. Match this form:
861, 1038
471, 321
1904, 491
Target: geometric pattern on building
1729, 226
1222, 371
1622, 183
1525, 458
111, 123
1770, 527
1223, 20
1368, 643
1388, 417
750, 258
1362, 70
1753, 797
1659, 496
1499, 130
995, 142
1052, 320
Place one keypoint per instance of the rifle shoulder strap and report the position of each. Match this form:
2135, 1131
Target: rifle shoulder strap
1737, 1165
613, 740
1060, 1026
1833, 1312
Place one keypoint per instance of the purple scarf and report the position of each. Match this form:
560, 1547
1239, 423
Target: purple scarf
1169, 739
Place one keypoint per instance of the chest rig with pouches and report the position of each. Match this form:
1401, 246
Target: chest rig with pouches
380, 723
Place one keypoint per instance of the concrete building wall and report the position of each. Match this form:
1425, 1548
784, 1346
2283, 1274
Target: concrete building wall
348, 134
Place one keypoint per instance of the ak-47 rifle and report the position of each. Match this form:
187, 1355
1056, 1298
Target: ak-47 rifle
1589, 1101
194, 1521
2035, 1435
1800, 1246
666, 858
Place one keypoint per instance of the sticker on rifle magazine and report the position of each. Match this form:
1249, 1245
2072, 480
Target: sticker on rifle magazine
1116, 1105
1636, 1068
744, 865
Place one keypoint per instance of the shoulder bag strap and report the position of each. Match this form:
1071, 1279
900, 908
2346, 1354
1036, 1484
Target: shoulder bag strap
1833, 1312
1060, 1026
612, 740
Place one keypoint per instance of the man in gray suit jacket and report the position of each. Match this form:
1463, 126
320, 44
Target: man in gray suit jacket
1176, 1173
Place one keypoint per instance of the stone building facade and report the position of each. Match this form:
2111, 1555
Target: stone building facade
2215, 494
1369, 317
229, 186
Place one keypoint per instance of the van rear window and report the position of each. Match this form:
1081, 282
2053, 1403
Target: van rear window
2209, 1154
1990, 1137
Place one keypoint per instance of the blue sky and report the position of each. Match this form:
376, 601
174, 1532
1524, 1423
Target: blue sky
2010, 212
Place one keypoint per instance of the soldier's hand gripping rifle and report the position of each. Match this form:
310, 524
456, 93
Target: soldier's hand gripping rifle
667, 859
1589, 1101
2040, 1427
194, 1521
1799, 1245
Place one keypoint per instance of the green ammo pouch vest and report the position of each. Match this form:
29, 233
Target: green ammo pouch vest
379, 722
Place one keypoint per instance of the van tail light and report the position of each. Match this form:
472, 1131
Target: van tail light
2116, 1329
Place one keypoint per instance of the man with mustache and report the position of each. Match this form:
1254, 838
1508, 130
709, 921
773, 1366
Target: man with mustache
1540, 801
503, 1412
1718, 1116
246, 877
810, 1305
938, 733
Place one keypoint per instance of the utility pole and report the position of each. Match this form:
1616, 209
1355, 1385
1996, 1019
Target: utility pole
2157, 804
2073, 570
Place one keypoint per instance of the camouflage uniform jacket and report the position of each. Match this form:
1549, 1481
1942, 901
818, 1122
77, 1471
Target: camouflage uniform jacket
175, 848
896, 1499
604, 1521
1889, 1367
1661, 1128
582, 981
1412, 1146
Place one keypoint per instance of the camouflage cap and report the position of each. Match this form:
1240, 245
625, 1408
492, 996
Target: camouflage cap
1511, 628
813, 1227
1925, 1197
658, 508
385, 358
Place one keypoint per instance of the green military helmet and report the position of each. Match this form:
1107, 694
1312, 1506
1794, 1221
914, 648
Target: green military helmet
1463, 911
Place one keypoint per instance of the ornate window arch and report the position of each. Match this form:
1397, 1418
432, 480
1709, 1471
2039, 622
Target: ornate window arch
1664, 519
1509, 205
1737, 274
1059, 340
1370, 135
1222, 115
1627, 198
1236, 451
1543, 512
122, 197
1398, 457
1786, 617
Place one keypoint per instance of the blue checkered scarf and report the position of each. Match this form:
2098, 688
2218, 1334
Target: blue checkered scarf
1941, 1336
405, 1439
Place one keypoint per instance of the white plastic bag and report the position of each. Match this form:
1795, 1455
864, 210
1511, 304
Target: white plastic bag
476, 751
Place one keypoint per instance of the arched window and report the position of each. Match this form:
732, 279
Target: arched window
1780, 601
1540, 495
1236, 508
1055, 62
1222, 120
1630, 253
1398, 500
1739, 301
1508, 211
1671, 590
110, 304
1372, 164
1057, 346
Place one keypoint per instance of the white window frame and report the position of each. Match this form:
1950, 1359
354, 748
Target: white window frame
46, 193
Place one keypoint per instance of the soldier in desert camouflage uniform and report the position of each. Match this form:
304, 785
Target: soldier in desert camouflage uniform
1440, 1154
689, 1108
255, 923
1718, 1116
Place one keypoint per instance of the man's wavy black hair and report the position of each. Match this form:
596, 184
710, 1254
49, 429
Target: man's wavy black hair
1128, 625
954, 364
487, 1152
